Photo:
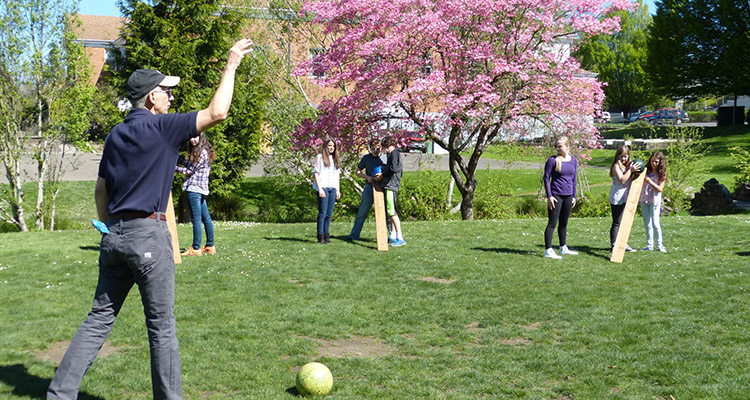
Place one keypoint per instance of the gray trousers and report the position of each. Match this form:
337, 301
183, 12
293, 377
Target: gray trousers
136, 251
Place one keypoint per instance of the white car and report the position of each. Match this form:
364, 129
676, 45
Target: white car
604, 118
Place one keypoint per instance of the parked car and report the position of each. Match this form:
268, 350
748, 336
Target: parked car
634, 116
663, 116
685, 116
604, 118
416, 142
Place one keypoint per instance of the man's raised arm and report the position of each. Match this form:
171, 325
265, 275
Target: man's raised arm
219, 107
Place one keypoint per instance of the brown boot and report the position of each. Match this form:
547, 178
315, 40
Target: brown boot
326, 238
321, 240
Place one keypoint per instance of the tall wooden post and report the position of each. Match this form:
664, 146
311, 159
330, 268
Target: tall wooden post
618, 252
172, 225
380, 226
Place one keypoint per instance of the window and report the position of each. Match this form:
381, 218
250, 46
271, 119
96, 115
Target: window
426, 68
318, 70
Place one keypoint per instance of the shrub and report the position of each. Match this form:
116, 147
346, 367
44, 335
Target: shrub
531, 207
702, 116
684, 166
588, 206
423, 198
640, 124
742, 163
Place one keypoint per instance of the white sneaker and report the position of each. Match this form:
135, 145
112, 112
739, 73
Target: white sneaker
565, 251
647, 248
662, 249
550, 253
630, 249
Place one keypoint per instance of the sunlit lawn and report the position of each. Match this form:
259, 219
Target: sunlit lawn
465, 310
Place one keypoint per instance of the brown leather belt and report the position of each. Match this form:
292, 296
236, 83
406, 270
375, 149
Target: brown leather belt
131, 215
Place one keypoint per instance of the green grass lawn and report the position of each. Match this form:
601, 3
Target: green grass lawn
466, 310
719, 139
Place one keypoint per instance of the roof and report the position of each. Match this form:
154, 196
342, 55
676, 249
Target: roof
99, 27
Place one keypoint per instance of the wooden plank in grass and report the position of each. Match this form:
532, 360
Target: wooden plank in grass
380, 226
618, 252
172, 225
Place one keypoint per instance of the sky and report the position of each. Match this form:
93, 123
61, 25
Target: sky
109, 7
99, 7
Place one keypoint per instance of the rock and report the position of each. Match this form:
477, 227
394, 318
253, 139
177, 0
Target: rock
742, 192
713, 199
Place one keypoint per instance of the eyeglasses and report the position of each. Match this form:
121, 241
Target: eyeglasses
167, 91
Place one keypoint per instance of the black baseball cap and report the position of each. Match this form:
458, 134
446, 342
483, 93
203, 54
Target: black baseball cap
142, 81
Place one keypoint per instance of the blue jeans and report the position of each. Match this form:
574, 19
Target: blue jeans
199, 212
364, 209
325, 209
136, 251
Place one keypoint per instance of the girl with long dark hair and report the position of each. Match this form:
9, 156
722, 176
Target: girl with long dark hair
197, 167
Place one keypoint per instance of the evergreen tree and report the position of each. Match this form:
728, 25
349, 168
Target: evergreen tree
699, 47
191, 39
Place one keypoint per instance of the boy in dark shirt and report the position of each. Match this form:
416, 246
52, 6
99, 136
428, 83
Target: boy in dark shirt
391, 182
366, 170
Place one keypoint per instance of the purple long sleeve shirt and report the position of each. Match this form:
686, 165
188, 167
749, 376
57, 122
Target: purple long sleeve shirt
561, 183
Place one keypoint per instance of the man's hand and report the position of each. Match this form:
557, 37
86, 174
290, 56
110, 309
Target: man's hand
238, 51
219, 107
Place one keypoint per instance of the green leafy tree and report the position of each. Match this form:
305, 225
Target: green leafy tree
190, 39
700, 47
44, 65
620, 60
685, 165
12, 104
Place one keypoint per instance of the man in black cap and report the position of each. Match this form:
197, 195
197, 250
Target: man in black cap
132, 191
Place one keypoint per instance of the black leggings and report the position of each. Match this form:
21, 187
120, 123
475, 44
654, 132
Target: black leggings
561, 213
617, 211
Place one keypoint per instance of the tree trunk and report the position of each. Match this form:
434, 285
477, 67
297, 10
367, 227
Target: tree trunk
467, 204
466, 183
15, 192
41, 175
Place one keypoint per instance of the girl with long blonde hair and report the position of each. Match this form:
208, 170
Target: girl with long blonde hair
559, 179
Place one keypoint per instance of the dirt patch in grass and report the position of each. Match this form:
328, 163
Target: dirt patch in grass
437, 280
533, 326
56, 351
352, 347
516, 341
474, 327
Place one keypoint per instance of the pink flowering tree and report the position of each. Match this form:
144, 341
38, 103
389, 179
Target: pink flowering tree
464, 72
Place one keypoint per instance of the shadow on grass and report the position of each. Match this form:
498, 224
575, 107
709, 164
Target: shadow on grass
26, 385
743, 253
503, 250
294, 392
366, 243
92, 248
288, 239
603, 252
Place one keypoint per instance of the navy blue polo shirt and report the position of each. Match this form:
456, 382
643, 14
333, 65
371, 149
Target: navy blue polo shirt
139, 157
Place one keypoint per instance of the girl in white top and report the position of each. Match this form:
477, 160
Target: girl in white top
326, 172
621, 172
651, 199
